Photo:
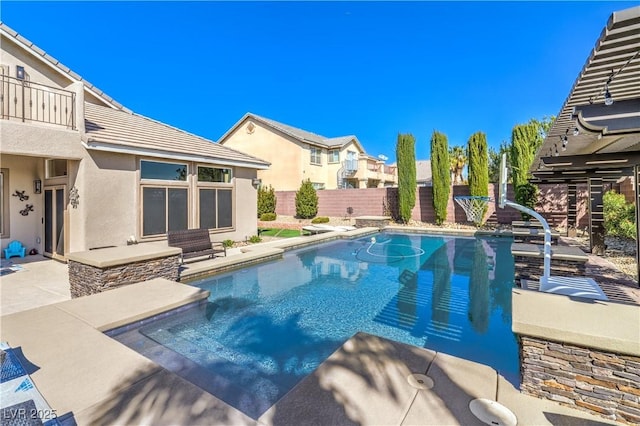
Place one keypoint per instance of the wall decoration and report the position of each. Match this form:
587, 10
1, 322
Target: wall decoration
74, 197
26, 210
21, 195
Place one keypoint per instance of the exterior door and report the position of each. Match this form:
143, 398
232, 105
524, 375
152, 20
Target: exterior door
54, 209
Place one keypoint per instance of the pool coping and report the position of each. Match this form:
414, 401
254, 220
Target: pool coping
73, 364
264, 252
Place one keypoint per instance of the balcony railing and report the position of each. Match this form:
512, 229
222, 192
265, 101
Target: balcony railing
350, 166
29, 101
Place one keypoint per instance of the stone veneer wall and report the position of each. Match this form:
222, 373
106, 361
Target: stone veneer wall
602, 383
86, 279
531, 268
375, 223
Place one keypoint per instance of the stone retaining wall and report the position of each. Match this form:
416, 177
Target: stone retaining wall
602, 383
87, 279
531, 268
371, 222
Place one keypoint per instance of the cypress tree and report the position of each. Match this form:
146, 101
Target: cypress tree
522, 151
440, 175
478, 156
407, 183
521, 154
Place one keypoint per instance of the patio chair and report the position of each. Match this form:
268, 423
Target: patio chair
15, 248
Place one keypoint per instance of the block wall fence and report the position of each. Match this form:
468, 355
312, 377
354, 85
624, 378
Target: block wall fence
380, 201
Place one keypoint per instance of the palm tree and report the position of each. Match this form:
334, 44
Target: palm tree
457, 161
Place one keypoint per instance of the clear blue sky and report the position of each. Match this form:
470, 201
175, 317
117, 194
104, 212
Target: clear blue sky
372, 69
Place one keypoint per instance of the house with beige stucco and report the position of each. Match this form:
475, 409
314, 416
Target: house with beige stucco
296, 155
80, 171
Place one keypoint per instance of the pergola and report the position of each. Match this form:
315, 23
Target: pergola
595, 138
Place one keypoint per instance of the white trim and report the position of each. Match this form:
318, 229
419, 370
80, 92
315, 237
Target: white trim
102, 146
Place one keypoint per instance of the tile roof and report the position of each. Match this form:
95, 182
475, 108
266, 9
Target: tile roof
45, 57
121, 131
423, 170
302, 135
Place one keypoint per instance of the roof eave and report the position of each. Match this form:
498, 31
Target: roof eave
96, 145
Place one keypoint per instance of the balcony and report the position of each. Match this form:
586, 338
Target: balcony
350, 166
33, 102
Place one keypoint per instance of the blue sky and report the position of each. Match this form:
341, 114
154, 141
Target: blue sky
372, 69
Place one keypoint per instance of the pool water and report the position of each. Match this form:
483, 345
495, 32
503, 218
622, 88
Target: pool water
264, 328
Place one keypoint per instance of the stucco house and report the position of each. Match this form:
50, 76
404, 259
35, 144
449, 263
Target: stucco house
79, 171
296, 155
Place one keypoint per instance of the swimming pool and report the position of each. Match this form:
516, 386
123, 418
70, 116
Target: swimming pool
264, 328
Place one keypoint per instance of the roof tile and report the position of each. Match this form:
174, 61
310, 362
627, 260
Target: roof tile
129, 130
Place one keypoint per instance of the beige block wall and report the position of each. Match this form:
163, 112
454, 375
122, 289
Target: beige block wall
285, 154
26, 229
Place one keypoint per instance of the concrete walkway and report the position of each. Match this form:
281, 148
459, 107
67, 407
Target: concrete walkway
39, 281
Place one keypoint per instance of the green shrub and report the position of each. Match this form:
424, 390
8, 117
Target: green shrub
268, 217
255, 239
266, 201
306, 200
228, 243
527, 195
320, 219
619, 216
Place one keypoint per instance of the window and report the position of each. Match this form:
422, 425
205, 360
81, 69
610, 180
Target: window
212, 174
173, 192
163, 171
317, 185
4, 203
315, 155
215, 208
334, 156
164, 209
55, 168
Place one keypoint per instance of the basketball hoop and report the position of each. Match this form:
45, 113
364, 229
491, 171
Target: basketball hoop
474, 206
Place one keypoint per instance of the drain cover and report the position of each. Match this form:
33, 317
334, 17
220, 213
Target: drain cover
492, 413
420, 381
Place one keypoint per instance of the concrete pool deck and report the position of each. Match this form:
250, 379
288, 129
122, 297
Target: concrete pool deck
81, 371
84, 374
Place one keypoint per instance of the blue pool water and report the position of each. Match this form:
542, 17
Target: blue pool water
264, 328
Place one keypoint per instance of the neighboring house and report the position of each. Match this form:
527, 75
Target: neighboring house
96, 174
423, 173
296, 155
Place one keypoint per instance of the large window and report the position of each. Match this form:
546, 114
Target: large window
334, 156
216, 208
315, 155
171, 192
164, 209
4, 203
